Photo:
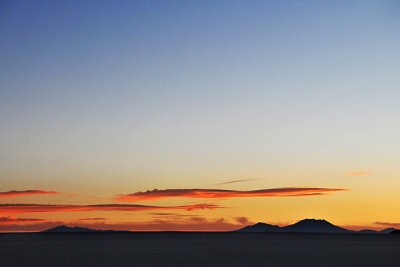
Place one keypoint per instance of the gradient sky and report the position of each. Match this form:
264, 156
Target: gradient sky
103, 99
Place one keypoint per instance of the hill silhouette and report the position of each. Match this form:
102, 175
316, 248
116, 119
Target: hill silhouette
76, 229
384, 231
395, 232
388, 230
260, 227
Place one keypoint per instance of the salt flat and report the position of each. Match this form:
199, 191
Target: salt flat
198, 249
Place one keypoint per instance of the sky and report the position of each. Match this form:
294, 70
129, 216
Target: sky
198, 115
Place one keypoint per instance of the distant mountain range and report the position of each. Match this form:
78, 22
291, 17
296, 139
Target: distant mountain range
303, 226
76, 229
308, 226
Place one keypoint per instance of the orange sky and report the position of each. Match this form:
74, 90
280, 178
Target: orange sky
180, 209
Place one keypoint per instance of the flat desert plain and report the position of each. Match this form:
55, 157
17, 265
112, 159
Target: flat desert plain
198, 249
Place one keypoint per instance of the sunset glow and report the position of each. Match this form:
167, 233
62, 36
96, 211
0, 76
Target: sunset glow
199, 115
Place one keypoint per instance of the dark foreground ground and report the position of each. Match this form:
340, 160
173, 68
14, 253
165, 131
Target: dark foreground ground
198, 249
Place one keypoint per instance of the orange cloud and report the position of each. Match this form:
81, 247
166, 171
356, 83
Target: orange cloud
388, 224
34, 208
171, 214
220, 193
14, 220
358, 173
91, 219
242, 220
29, 227
16, 193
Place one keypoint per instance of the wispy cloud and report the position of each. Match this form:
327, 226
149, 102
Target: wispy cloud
358, 173
235, 181
91, 219
388, 224
171, 214
14, 220
41, 208
16, 193
224, 194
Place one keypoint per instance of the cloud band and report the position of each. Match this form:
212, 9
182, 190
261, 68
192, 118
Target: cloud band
220, 193
40, 208
16, 193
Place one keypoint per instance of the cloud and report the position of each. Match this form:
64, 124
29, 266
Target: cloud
171, 214
91, 219
358, 173
242, 220
163, 213
223, 194
14, 220
388, 224
42, 208
31, 227
235, 181
16, 193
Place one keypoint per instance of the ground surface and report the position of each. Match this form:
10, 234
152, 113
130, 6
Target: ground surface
198, 249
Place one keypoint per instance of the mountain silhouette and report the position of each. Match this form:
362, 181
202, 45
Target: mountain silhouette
260, 227
314, 226
76, 229
303, 226
387, 230
395, 232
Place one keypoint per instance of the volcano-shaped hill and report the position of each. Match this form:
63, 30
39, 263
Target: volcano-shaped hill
314, 226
